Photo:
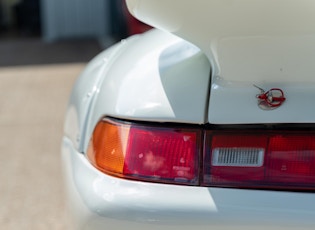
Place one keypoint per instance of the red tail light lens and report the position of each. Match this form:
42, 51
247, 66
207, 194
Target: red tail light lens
291, 160
240, 157
162, 154
260, 159
143, 152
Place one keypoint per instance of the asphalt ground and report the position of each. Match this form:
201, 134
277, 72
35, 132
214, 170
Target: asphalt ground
33, 100
35, 83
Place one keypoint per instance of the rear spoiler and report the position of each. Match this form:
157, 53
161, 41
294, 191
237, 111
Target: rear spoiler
245, 40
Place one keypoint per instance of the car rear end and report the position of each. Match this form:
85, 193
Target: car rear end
161, 134
127, 171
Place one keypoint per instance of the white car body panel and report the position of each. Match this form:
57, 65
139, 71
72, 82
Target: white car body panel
145, 78
83, 93
270, 35
152, 80
263, 42
237, 104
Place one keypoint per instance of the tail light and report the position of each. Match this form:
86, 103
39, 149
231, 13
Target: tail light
169, 155
258, 159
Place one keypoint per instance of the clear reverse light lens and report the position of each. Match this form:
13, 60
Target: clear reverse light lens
239, 157
260, 159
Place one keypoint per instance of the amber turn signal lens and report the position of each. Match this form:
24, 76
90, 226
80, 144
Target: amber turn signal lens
107, 146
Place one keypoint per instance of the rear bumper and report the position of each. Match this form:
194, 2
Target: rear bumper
98, 201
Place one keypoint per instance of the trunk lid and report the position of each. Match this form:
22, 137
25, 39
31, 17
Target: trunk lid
263, 42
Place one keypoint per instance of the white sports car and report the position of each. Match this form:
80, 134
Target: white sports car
206, 123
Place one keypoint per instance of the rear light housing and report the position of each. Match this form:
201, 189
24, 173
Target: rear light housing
254, 158
150, 153
260, 159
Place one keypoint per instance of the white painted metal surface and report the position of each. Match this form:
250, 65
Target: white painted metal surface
155, 77
151, 80
84, 89
244, 39
264, 42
